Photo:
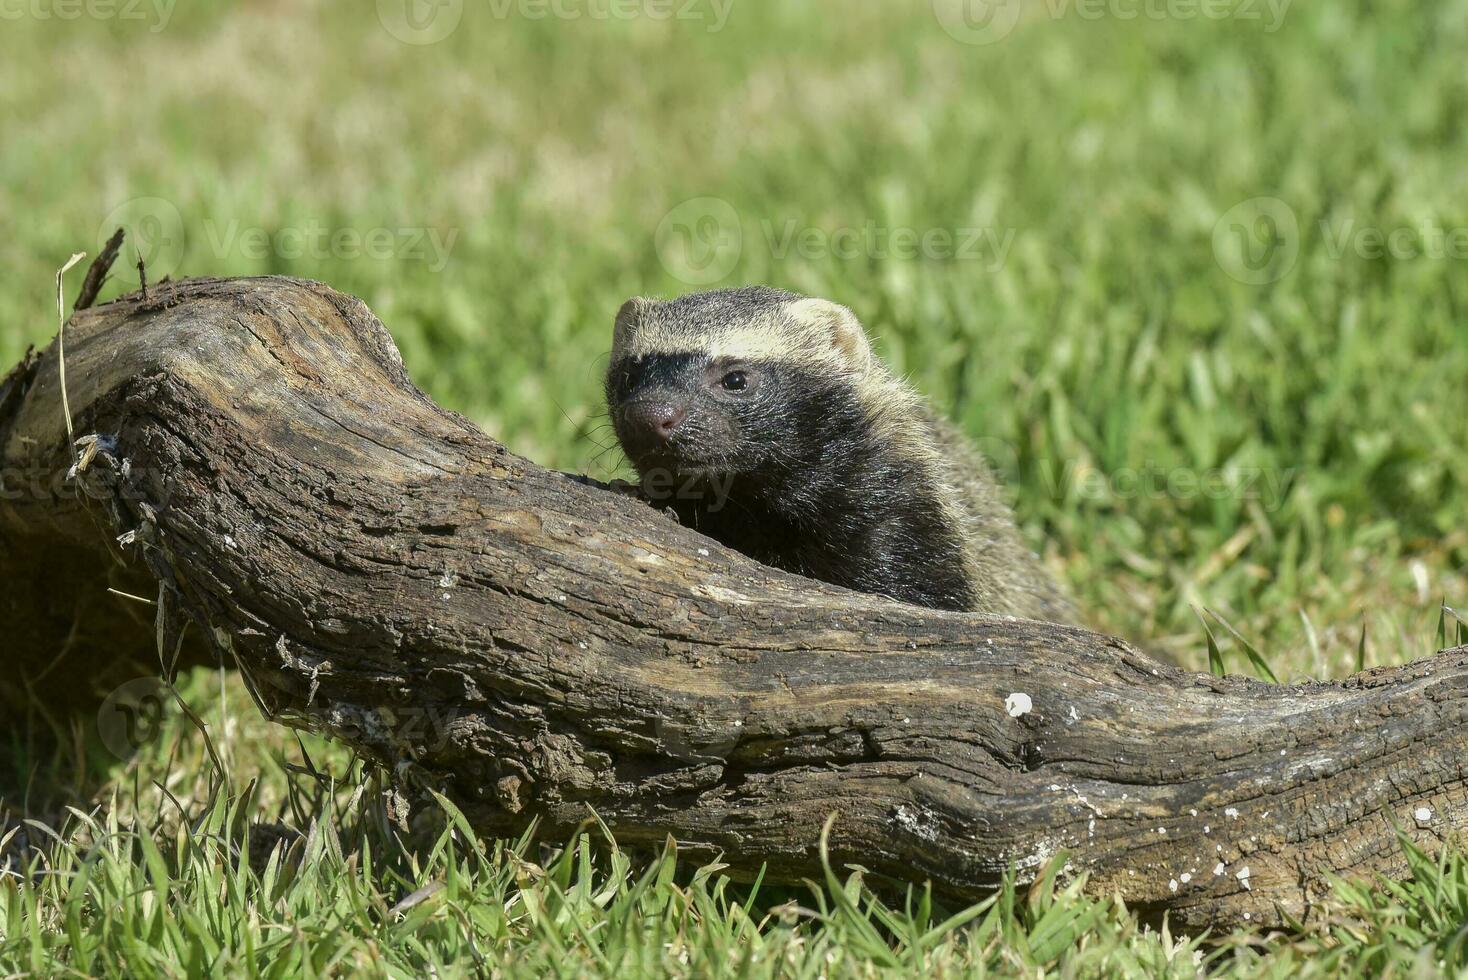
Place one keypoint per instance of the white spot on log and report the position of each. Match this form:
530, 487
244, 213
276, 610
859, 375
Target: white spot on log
1018, 704
229, 542
703, 552
1185, 878
1192, 812
1086, 803
448, 580
1207, 829
1162, 830
1423, 814
1231, 813
1218, 869
1246, 916
1172, 884
726, 595
1044, 851
127, 538
917, 822
1073, 715
1243, 876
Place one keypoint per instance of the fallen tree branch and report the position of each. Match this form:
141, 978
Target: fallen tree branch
538, 647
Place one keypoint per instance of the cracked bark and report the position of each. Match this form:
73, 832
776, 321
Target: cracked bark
536, 646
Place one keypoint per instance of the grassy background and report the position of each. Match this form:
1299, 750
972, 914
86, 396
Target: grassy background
1094, 320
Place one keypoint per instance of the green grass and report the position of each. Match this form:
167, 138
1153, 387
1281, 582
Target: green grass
348, 896
1286, 454
174, 870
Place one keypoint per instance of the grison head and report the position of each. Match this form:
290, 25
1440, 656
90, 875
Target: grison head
752, 381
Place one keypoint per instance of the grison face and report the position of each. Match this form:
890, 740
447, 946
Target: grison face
753, 382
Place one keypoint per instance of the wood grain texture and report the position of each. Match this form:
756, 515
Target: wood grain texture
538, 646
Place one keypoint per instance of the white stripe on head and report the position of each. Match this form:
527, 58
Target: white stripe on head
812, 332
752, 343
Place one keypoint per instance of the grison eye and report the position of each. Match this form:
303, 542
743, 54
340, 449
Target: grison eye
627, 376
734, 381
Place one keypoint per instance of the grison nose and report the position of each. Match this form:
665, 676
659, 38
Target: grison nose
655, 420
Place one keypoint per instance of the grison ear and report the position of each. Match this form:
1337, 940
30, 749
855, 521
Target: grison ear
628, 318
840, 325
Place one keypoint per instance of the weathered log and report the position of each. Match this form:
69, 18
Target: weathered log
540, 647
